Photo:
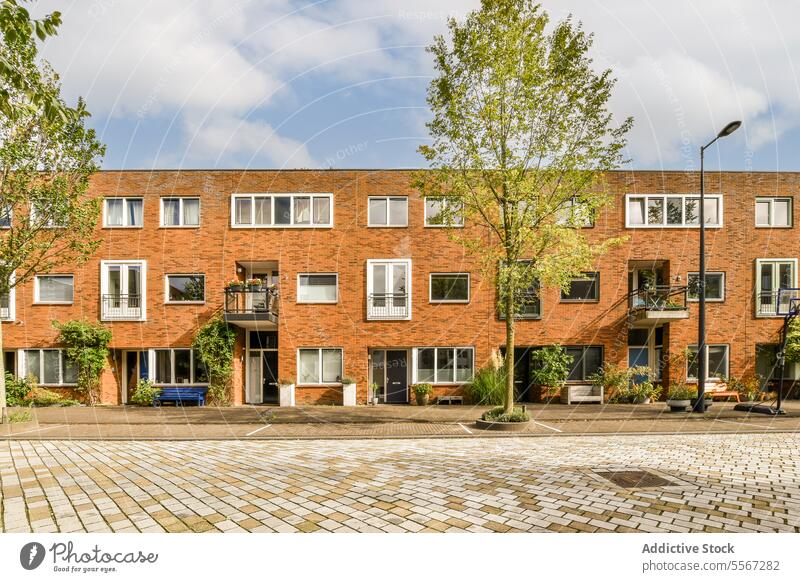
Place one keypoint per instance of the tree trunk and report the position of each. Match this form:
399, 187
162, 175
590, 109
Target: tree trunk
3, 410
509, 308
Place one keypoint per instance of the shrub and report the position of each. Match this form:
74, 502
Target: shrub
20, 416
680, 391
748, 387
17, 389
488, 386
422, 389
144, 393
345, 381
39, 396
86, 345
644, 390
214, 344
550, 366
286, 381
618, 383
499, 415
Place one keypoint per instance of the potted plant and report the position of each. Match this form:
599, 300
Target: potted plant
708, 397
679, 396
286, 392
749, 387
376, 393
644, 392
422, 393
348, 391
234, 285
618, 383
549, 369
254, 284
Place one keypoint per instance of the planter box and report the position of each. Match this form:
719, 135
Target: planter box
348, 394
286, 395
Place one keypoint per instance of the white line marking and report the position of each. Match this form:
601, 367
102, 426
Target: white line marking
35, 430
258, 430
743, 423
545, 426
465, 428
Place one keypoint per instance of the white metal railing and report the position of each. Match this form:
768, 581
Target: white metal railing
388, 306
122, 306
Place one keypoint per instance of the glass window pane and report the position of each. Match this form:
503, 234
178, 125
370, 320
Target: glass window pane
135, 212
426, 365
674, 210
283, 210
32, 364
70, 372
717, 361
243, 211
451, 287
186, 287
317, 288
309, 367
714, 286
691, 364
655, 211
692, 215
378, 368
55, 288
5, 216
322, 210
592, 361
191, 211
183, 366
433, 211
781, 214
171, 211
51, 365
302, 210
762, 213
398, 211
712, 210
463, 365
263, 210
200, 371
331, 365
163, 367
114, 211
636, 211
444, 365
583, 289
378, 211
576, 365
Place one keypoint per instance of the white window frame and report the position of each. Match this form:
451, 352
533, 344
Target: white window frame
12, 299
319, 355
37, 299
151, 365
567, 212
708, 299
48, 225
409, 278
371, 224
771, 201
104, 287
10, 213
22, 364
125, 200
717, 197
693, 380
181, 217
273, 195
447, 201
462, 301
757, 285
436, 382
168, 301
312, 302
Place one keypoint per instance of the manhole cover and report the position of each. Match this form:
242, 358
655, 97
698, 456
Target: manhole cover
635, 479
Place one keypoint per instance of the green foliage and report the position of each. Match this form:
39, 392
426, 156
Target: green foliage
680, 391
17, 389
748, 387
20, 416
144, 393
286, 381
487, 386
86, 345
500, 415
619, 385
39, 396
346, 381
214, 344
550, 366
422, 389
792, 352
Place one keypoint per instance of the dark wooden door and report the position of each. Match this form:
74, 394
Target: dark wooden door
396, 376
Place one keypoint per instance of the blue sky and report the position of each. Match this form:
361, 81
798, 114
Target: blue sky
341, 83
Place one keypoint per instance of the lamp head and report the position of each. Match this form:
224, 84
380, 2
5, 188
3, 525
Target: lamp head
729, 129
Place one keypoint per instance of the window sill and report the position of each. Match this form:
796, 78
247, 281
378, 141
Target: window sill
785, 226
670, 226
387, 226
444, 226
184, 302
449, 302
123, 227
46, 303
708, 300
579, 300
317, 302
169, 227
280, 226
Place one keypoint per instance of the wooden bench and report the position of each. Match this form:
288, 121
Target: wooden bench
181, 395
450, 400
574, 393
721, 389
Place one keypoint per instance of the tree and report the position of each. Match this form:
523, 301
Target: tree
46, 160
521, 134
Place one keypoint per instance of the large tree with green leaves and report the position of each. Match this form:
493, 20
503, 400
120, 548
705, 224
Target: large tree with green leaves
521, 134
46, 158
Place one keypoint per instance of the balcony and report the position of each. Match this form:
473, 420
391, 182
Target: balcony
388, 306
122, 307
658, 305
255, 309
775, 303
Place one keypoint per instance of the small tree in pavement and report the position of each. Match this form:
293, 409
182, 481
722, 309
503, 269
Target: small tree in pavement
521, 134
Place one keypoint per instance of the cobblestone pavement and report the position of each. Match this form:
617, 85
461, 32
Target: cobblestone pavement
745, 482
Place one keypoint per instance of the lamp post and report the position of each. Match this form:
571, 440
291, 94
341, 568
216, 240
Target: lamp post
700, 403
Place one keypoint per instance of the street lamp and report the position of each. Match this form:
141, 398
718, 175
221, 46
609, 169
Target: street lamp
700, 403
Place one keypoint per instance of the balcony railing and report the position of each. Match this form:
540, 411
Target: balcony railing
659, 298
388, 306
122, 306
252, 302
767, 303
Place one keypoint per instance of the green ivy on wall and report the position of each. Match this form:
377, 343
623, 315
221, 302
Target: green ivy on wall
214, 344
86, 345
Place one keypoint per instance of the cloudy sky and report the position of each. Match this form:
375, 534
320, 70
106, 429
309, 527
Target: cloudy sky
341, 83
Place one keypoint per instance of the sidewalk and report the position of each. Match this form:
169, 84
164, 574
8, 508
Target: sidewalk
385, 421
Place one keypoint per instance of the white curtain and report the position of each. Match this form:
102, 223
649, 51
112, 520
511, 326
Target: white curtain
309, 367
114, 212
191, 212
135, 217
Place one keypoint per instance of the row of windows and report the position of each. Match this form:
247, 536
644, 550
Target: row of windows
681, 211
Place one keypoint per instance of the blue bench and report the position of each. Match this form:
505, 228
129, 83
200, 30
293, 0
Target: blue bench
182, 395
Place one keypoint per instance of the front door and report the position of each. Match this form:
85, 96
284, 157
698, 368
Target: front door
135, 370
269, 377
523, 384
396, 376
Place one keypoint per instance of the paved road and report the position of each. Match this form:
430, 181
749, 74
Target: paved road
745, 482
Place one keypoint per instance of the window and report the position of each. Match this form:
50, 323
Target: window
586, 360
443, 365
449, 288
7, 302
282, 210
530, 304
715, 286
774, 212
388, 211
585, 288
5, 216
178, 366
716, 363
186, 288
49, 367
317, 288
772, 275
123, 292
671, 211
180, 212
53, 288
48, 215
123, 213
319, 365
575, 213
443, 212
389, 289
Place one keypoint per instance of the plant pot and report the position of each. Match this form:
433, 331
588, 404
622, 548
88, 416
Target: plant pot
502, 426
422, 399
236, 288
641, 400
375, 401
348, 394
678, 405
286, 395
709, 402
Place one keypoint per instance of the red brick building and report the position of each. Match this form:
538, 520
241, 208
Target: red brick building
357, 285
